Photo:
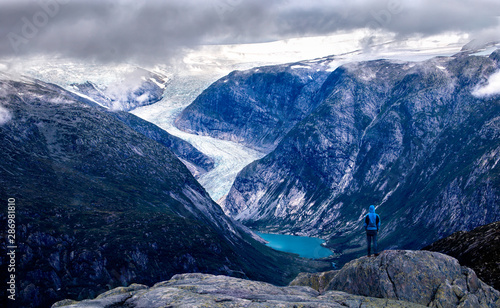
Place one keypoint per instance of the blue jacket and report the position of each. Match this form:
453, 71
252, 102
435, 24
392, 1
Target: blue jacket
372, 220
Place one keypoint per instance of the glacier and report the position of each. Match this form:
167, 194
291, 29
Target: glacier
230, 157
203, 65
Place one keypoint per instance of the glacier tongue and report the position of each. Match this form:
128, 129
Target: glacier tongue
206, 64
230, 157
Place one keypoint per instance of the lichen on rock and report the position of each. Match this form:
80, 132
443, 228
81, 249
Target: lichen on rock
393, 279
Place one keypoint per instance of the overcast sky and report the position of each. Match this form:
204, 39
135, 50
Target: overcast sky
157, 30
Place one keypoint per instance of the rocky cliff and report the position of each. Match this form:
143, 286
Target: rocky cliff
409, 137
99, 205
425, 278
393, 279
256, 107
478, 249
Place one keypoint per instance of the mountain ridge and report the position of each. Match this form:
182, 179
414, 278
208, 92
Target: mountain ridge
402, 135
276, 97
100, 205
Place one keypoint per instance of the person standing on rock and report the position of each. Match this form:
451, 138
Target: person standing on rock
372, 225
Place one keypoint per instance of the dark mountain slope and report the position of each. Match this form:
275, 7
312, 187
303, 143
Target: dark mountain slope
256, 107
197, 162
478, 249
99, 205
407, 137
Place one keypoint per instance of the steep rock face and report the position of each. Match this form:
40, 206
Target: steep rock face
425, 278
408, 137
256, 107
99, 205
478, 249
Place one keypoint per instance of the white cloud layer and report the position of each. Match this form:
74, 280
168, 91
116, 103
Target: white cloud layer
156, 30
491, 88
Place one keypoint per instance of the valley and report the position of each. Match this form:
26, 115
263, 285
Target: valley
229, 157
292, 148
204, 66
225, 153
378, 132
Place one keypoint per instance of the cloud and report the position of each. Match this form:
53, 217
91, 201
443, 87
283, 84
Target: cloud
491, 88
5, 115
155, 30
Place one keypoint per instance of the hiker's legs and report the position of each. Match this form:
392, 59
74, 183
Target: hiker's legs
371, 235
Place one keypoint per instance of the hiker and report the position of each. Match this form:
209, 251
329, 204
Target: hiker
372, 224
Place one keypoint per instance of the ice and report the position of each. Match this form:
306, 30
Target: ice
486, 51
229, 157
203, 65
209, 63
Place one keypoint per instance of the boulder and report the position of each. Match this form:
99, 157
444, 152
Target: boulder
317, 281
427, 278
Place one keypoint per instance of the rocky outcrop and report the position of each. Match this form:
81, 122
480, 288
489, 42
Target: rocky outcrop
426, 278
202, 290
393, 279
409, 137
478, 249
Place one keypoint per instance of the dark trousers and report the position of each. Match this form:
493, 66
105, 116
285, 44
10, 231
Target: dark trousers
371, 235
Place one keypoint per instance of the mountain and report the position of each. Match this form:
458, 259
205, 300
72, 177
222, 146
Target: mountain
197, 162
409, 137
439, 281
122, 92
478, 249
140, 87
99, 205
256, 107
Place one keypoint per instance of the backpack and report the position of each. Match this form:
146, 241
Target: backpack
370, 223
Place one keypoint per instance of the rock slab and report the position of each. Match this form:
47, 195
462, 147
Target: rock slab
204, 290
426, 278
392, 279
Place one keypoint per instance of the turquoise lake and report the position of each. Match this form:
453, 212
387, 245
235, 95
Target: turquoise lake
307, 247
